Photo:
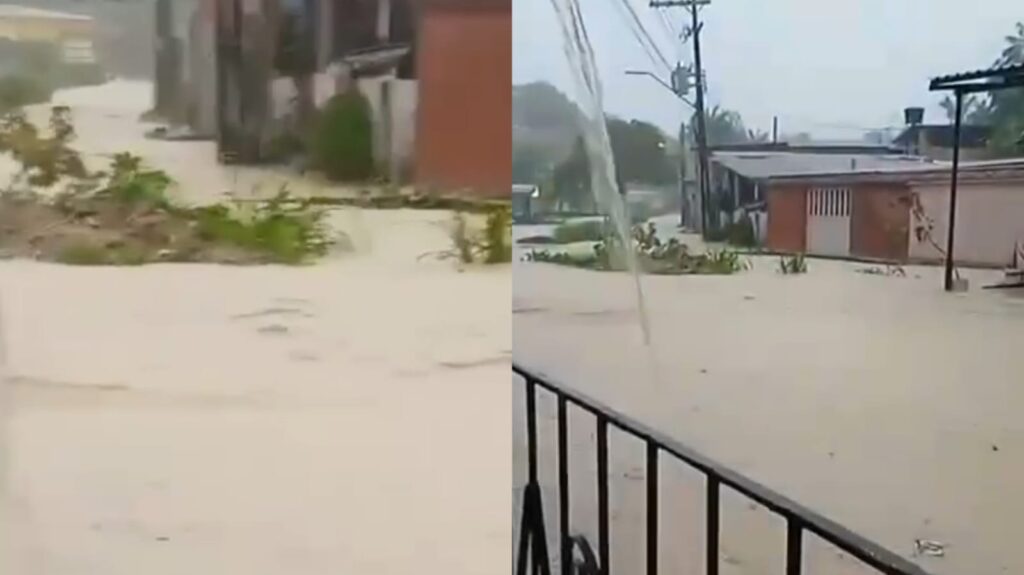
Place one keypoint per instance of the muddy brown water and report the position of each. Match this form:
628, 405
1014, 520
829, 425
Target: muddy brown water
347, 417
881, 402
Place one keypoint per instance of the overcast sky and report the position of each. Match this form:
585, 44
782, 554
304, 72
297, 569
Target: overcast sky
830, 67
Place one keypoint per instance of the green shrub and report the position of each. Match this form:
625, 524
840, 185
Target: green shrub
585, 231
342, 143
286, 230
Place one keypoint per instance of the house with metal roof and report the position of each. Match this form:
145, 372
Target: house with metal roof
73, 34
740, 179
898, 212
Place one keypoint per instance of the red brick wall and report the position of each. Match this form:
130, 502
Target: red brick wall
880, 223
787, 218
464, 130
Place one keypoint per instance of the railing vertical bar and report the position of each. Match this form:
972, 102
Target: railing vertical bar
794, 546
603, 536
652, 508
531, 428
563, 486
713, 524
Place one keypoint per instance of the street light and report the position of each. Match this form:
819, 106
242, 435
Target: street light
677, 91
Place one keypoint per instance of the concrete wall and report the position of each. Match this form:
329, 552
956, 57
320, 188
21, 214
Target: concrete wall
464, 127
880, 222
202, 69
990, 219
787, 218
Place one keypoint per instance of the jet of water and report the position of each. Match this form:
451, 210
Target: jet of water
580, 54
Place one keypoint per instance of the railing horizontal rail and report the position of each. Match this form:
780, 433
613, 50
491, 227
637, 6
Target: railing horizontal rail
798, 517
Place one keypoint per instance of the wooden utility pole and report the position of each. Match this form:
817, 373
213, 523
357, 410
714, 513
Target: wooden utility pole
698, 82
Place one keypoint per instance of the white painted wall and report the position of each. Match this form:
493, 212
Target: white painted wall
404, 99
394, 121
990, 219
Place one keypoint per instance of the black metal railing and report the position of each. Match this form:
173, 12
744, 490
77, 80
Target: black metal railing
533, 552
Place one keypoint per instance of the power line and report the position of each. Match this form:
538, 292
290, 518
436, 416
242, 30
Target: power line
642, 35
672, 35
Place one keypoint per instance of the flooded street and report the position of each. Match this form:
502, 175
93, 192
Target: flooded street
262, 420
881, 402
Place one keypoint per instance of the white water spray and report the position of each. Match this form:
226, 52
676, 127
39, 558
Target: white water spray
580, 54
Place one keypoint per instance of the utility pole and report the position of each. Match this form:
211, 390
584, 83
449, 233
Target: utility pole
698, 80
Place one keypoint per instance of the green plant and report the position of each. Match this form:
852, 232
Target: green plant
793, 264
342, 143
44, 159
497, 240
285, 229
741, 233
582, 231
130, 183
491, 245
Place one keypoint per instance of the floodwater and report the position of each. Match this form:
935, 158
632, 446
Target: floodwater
881, 402
347, 417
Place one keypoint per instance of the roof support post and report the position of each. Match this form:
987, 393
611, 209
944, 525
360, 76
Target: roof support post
951, 222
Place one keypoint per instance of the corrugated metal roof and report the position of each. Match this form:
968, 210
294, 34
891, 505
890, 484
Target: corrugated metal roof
17, 11
980, 74
1010, 167
766, 165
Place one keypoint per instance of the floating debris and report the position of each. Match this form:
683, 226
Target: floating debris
929, 548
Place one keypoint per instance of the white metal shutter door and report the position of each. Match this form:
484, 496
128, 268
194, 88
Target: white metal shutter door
828, 221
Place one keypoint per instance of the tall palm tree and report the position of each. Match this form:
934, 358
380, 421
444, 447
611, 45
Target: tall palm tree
1013, 54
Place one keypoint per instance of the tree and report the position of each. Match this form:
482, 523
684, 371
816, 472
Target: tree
724, 127
1013, 54
640, 152
1004, 110
571, 179
972, 108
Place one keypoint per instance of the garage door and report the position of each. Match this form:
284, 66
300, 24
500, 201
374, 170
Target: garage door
828, 221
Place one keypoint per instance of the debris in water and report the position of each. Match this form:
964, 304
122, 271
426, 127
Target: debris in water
831, 453
749, 298
929, 548
995, 447
634, 474
703, 371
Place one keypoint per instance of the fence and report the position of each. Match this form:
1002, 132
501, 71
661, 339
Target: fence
533, 555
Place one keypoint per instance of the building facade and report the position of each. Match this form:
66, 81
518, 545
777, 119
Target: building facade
464, 121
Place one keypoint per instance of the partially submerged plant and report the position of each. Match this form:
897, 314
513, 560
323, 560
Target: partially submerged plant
652, 255
125, 216
491, 245
793, 264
